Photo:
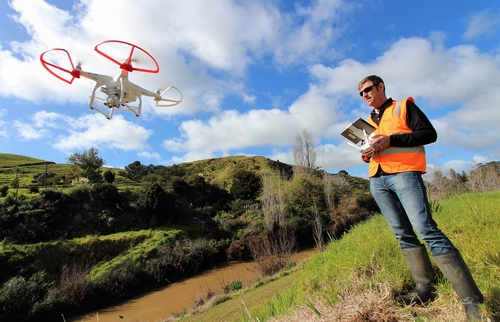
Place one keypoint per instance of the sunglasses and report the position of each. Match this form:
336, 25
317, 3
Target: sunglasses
367, 90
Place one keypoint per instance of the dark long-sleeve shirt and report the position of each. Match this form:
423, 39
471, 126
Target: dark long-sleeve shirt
422, 130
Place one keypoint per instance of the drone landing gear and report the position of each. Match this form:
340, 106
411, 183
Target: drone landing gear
112, 103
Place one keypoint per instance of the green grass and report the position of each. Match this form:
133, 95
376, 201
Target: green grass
153, 240
109, 251
24, 168
368, 258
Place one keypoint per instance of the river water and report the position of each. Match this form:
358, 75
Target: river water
160, 304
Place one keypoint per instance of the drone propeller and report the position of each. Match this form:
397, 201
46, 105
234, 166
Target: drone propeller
127, 64
57, 70
165, 102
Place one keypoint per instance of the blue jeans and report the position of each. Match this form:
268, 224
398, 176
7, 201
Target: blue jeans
403, 201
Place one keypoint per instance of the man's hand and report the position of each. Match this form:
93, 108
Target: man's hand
380, 141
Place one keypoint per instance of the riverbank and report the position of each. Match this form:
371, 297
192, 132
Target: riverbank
181, 296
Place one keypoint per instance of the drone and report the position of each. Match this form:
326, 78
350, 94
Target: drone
119, 92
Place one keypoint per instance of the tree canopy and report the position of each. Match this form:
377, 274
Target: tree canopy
90, 164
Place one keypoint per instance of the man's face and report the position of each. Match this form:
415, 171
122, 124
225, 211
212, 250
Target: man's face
374, 96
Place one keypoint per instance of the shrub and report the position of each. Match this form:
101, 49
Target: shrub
74, 282
80, 194
345, 215
19, 295
52, 195
109, 176
105, 195
4, 190
246, 185
235, 286
183, 258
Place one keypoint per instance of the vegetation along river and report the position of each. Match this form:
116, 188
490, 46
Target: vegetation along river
160, 304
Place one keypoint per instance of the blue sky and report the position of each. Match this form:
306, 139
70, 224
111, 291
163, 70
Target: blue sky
253, 74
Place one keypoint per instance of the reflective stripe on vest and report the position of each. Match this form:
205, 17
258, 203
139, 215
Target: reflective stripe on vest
397, 109
394, 150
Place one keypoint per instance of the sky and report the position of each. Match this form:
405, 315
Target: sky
254, 74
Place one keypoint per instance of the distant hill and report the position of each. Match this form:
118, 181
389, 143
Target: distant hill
21, 166
218, 171
14, 160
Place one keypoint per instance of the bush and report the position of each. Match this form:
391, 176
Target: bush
246, 185
345, 215
235, 286
183, 258
105, 195
52, 195
19, 296
109, 176
80, 194
4, 190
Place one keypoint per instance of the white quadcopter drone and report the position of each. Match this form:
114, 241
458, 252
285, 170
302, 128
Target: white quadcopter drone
120, 92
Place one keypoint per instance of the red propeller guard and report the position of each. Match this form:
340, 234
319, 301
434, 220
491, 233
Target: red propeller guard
48, 66
127, 65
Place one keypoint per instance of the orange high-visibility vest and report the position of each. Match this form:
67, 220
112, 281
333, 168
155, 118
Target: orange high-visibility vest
396, 159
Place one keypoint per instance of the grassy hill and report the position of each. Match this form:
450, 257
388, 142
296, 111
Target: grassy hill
355, 278
218, 171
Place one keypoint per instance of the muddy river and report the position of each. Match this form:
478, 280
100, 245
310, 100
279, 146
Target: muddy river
160, 304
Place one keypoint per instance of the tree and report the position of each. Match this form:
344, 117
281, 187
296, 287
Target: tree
280, 236
485, 177
158, 205
246, 185
105, 195
135, 171
109, 176
304, 155
90, 164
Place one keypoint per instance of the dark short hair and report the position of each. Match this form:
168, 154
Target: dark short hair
373, 78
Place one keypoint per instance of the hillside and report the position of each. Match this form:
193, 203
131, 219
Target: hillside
219, 171
355, 278
183, 218
149, 226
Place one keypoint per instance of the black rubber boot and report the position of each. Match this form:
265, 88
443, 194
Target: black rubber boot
421, 269
457, 273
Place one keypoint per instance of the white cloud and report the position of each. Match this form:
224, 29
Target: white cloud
231, 130
483, 23
38, 128
436, 76
320, 30
96, 131
68, 134
150, 156
28, 131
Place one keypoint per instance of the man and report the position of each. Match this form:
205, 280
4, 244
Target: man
396, 167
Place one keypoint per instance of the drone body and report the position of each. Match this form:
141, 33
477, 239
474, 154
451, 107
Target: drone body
120, 93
